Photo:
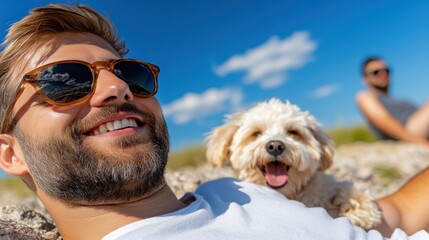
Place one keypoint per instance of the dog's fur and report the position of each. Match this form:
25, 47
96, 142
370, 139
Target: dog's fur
278, 145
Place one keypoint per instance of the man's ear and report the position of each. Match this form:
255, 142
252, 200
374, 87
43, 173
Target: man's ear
11, 157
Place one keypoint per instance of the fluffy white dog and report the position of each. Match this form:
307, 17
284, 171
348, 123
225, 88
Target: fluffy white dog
278, 145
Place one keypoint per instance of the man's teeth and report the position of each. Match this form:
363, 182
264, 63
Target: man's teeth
115, 125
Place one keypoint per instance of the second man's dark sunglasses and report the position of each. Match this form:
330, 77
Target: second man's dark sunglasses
378, 71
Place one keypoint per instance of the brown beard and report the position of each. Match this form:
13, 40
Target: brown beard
381, 89
68, 169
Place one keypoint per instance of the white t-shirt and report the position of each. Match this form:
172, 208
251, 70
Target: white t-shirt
230, 209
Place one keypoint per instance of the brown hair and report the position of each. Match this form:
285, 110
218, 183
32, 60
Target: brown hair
41, 24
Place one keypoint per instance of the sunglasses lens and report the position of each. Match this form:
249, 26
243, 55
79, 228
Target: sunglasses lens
137, 75
66, 82
379, 71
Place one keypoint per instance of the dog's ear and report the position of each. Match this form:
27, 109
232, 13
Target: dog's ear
326, 145
219, 141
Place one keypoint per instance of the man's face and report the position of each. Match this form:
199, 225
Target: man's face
377, 75
70, 154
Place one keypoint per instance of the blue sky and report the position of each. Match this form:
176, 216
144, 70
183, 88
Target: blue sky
217, 57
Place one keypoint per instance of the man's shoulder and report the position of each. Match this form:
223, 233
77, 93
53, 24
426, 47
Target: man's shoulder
363, 94
231, 189
231, 184
364, 97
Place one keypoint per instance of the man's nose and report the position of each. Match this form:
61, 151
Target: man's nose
110, 90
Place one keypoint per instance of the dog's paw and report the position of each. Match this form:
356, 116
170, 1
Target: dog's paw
361, 210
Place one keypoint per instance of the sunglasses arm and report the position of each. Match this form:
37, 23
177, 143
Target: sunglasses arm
5, 126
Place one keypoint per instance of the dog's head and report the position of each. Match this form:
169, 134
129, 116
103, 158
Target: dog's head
273, 143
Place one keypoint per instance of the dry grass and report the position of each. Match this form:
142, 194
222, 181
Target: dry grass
361, 133
189, 157
15, 186
387, 173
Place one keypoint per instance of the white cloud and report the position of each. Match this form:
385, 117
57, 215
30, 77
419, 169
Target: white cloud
195, 106
272, 81
325, 91
271, 60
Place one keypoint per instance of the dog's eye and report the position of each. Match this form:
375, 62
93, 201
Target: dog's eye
293, 133
257, 134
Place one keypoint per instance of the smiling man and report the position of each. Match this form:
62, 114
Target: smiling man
113, 138
81, 126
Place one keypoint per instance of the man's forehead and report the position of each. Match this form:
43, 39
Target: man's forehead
32, 56
38, 55
376, 64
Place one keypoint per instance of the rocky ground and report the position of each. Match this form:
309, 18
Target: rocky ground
379, 168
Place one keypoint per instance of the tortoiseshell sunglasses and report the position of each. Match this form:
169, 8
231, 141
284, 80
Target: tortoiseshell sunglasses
71, 82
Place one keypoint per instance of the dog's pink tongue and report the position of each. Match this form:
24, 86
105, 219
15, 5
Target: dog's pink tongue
276, 174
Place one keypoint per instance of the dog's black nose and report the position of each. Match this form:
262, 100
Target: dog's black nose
275, 147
